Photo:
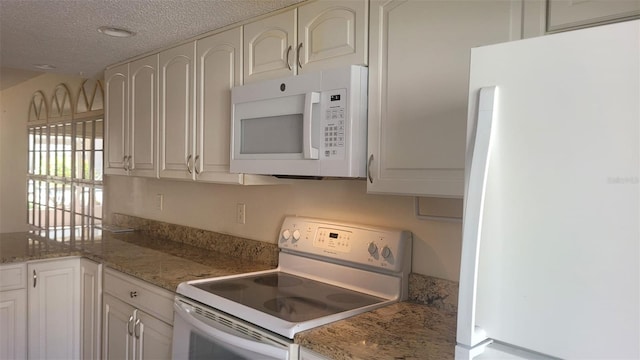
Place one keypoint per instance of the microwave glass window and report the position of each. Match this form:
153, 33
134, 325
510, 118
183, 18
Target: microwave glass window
272, 135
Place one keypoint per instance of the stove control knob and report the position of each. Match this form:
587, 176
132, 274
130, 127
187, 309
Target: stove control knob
286, 234
386, 252
372, 248
296, 235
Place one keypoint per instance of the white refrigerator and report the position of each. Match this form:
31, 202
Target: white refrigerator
551, 233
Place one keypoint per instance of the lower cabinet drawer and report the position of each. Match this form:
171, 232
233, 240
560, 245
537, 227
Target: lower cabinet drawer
140, 294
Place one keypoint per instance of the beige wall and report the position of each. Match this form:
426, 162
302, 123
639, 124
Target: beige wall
212, 207
14, 105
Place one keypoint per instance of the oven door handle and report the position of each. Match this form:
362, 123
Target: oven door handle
186, 313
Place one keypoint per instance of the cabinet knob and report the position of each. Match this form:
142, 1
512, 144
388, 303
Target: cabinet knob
133, 294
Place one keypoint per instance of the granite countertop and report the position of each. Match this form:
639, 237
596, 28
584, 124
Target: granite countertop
160, 262
404, 330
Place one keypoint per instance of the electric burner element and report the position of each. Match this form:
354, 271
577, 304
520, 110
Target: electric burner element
276, 280
345, 298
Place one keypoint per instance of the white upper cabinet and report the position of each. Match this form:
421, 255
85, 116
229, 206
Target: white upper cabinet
568, 14
219, 68
176, 115
143, 118
131, 118
317, 35
269, 47
418, 89
332, 34
117, 120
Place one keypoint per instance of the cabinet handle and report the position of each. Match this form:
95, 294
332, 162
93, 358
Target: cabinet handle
189, 164
124, 163
35, 278
287, 57
298, 55
133, 294
195, 164
369, 168
137, 329
129, 162
130, 325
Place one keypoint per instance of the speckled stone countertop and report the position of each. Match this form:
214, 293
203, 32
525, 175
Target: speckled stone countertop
405, 330
423, 328
160, 262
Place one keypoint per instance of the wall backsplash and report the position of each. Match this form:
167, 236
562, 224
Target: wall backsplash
428, 290
222, 243
436, 244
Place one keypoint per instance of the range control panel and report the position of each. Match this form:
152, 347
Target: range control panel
360, 244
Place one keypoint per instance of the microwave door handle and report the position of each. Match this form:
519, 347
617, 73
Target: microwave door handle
308, 151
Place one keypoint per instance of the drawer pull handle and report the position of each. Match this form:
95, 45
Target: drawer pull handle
35, 278
133, 294
130, 325
137, 329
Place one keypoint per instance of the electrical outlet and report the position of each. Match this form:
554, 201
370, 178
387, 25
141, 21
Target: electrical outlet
159, 202
241, 213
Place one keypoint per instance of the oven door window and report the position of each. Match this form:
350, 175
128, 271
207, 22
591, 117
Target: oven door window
197, 336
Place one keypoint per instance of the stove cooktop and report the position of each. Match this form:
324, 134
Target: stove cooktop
289, 297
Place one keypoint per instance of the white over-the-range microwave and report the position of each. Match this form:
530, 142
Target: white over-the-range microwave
306, 125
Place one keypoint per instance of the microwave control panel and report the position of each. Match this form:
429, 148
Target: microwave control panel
334, 123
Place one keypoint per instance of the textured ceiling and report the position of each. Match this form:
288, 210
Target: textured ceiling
63, 33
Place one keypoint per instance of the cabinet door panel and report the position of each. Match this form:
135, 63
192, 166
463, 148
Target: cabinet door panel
176, 110
143, 118
91, 295
117, 343
13, 324
219, 69
566, 14
54, 303
418, 85
333, 34
154, 338
117, 119
266, 44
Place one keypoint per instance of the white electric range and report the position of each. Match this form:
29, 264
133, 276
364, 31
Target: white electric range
327, 271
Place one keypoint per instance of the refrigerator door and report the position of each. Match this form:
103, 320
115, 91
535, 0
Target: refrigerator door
555, 268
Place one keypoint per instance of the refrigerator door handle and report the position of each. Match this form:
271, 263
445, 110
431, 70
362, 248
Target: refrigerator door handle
468, 333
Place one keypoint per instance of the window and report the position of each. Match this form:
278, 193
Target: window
65, 164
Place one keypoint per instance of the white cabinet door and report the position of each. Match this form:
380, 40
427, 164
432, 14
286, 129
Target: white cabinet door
269, 47
418, 85
567, 14
117, 120
315, 36
176, 112
91, 300
143, 119
117, 333
153, 338
13, 324
332, 34
54, 309
219, 69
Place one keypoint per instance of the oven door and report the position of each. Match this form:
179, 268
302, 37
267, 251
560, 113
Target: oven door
202, 333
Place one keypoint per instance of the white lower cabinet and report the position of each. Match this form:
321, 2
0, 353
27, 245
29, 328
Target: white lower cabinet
13, 311
91, 312
54, 306
138, 319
